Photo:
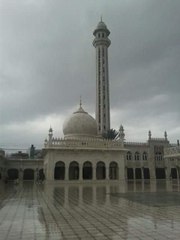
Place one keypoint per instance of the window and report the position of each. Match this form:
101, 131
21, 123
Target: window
129, 156
158, 156
145, 156
137, 156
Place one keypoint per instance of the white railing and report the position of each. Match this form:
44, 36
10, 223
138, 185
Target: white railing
84, 143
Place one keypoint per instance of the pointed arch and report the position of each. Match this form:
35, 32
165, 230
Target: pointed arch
74, 170
113, 170
59, 171
13, 173
129, 155
87, 170
100, 170
136, 156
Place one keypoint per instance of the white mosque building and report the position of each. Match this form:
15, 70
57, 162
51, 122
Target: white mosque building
84, 154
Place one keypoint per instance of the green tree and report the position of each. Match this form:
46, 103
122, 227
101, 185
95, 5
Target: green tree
111, 134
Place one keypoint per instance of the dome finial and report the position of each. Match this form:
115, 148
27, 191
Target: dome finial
101, 18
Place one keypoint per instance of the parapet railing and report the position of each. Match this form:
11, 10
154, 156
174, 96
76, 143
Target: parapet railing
22, 159
136, 143
84, 143
158, 139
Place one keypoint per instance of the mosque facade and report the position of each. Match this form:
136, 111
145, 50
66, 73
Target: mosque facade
84, 154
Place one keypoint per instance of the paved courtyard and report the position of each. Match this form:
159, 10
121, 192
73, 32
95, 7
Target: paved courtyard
139, 210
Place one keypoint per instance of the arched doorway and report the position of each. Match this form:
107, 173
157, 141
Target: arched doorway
74, 171
130, 174
87, 170
100, 171
28, 174
41, 174
174, 173
59, 171
13, 173
146, 173
113, 170
160, 173
138, 174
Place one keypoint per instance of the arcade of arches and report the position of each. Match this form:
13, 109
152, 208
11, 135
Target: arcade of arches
144, 173
86, 172
26, 174
138, 173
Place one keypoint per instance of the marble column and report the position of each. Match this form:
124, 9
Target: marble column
107, 173
142, 173
134, 173
94, 173
67, 173
80, 172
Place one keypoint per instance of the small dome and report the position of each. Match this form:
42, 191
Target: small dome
80, 124
101, 26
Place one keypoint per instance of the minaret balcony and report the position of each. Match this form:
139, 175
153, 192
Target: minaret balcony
101, 41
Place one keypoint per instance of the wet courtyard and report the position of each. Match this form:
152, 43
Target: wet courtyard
119, 210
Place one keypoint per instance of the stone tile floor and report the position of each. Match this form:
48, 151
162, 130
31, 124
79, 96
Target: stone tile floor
134, 210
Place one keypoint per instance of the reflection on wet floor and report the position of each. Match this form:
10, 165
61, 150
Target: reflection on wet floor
121, 210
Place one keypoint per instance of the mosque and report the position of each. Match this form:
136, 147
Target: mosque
84, 154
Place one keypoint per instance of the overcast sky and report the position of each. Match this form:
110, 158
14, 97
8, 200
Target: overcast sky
47, 61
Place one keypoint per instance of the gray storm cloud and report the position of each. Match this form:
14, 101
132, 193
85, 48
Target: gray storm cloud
48, 61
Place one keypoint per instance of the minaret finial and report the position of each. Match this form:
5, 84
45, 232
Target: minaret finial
80, 103
50, 129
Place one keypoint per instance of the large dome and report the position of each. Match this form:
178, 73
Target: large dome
80, 124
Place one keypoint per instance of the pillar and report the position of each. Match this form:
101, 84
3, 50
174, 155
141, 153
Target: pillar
66, 172
80, 172
134, 173
142, 173
94, 173
107, 172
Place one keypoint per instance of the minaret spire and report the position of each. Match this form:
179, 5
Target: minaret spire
101, 43
80, 102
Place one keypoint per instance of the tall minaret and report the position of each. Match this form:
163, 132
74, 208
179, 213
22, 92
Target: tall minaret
101, 43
